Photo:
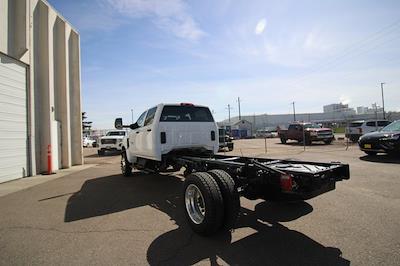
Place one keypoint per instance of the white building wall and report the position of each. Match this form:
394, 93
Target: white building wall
32, 32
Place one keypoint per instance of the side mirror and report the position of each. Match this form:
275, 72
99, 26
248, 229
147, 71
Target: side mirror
134, 126
118, 123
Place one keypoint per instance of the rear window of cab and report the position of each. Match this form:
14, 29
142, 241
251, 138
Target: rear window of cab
186, 114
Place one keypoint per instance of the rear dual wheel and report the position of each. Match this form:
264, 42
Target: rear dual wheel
211, 201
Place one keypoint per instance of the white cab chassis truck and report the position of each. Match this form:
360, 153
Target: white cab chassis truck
186, 135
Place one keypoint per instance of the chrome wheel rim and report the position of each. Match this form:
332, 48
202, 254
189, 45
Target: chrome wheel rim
194, 202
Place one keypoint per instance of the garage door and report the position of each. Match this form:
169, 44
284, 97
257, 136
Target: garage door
13, 120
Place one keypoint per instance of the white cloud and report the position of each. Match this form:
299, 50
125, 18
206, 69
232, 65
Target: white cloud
260, 27
345, 99
169, 15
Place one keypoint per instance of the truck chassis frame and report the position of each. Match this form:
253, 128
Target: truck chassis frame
214, 183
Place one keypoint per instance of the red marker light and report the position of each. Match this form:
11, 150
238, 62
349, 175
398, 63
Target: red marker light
286, 182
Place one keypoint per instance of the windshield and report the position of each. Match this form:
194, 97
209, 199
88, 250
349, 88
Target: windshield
186, 114
395, 126
311, 126
116, 133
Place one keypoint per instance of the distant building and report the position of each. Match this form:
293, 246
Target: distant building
282, 120
238, 129
335, 107
361, 110
338, 107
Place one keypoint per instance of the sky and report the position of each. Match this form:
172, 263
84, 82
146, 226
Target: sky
137, 53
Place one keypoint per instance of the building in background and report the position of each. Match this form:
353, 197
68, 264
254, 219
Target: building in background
339, 108
362, 110
327, 119
239, 129
40, 90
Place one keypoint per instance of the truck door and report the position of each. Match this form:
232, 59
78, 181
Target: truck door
292, 132
134, 136
147, 135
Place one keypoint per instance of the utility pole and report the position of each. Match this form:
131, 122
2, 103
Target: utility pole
132, 115
240, 116
254, 124
294, 112
383, 101
229, 112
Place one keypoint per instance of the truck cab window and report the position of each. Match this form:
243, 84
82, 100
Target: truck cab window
150, 116
140, 120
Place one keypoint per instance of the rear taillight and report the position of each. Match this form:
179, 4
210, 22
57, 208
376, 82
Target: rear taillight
163, 138
213, 135
286, 182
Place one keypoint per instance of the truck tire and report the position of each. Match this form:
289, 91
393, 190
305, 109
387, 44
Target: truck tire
283, 140
230, 197
126, 167
354, 139
100, 152
203, 202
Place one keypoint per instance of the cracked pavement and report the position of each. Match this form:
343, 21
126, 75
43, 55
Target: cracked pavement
96, 216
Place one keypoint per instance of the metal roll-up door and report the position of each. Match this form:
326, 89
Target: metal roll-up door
13, 120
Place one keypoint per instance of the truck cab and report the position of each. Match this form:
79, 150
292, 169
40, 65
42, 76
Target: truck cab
168, 130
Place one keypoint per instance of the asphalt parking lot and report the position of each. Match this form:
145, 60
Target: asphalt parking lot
97, 216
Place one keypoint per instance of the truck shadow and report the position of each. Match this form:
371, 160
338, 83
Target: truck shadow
265, 241
382, 158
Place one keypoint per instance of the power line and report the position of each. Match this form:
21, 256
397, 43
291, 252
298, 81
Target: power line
355, 47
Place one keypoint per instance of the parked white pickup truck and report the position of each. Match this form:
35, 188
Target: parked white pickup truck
168, 129
112, 141
185, 135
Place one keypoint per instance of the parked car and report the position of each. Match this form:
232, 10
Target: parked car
312, 132
225, 141
89, 142
112, 141
266, 133
358, 128
386, 140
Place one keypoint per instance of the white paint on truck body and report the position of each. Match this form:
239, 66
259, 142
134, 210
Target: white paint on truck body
185, 126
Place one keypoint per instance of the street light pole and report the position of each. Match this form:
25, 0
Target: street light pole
240, 116
229, 113
383, 101
132, 115
294, 112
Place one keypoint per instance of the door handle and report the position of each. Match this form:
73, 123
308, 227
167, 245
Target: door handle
149, 130
137, 132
